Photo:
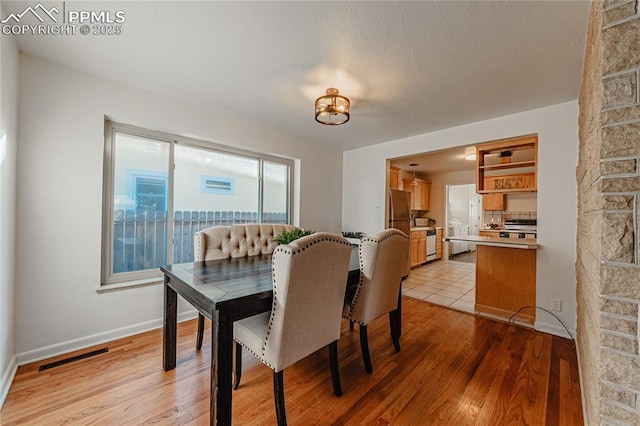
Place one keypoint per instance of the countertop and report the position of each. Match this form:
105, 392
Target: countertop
425, 228
519, 243
516, 231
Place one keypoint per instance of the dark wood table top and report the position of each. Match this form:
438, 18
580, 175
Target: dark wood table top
215, 283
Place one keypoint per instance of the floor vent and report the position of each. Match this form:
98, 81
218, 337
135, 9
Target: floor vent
72, 359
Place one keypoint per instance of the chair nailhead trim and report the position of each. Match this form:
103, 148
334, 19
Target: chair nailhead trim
390, 233
286, 250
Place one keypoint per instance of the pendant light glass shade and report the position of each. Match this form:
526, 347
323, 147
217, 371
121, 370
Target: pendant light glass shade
414, 182
332, 109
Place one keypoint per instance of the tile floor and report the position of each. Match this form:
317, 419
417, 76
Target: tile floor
443, 282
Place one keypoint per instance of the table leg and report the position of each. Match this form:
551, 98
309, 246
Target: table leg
221, 368
170, 327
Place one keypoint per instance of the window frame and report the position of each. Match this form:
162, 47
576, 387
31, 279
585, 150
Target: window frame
108, 279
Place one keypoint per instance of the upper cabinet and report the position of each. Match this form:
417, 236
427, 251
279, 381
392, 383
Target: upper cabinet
507, 166
493, 201
394, 177
420, 193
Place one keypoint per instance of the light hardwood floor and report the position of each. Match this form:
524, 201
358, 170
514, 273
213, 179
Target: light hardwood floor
454, 369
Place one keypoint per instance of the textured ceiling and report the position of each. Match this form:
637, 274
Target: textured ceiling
408, 67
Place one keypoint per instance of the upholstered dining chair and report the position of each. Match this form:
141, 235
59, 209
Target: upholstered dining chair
309, 282
223, 242
383, 259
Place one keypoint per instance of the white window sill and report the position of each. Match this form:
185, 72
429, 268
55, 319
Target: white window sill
107, 288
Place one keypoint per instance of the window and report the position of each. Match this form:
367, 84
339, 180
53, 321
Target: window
160, 189
276, 188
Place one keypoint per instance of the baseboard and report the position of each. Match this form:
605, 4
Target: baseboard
519, 317
502, 318
7, 379
556, 330
95, 339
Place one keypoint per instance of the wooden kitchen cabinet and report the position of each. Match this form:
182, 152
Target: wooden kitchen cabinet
493, 201
394, 177
425, 196
418, 248
420, 193
439, 243
416, 196
494, 176
489, 233
406, 186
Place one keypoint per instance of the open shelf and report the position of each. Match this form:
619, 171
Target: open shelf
506, 191
490, 179
509, 165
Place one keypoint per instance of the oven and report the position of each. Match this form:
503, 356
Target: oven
431, 245
520, 228
516, 234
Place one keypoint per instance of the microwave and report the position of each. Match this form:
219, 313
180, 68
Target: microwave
424, 221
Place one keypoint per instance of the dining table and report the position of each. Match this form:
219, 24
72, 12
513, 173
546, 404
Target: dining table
226, 290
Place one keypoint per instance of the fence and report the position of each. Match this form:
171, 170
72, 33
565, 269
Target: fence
140, 238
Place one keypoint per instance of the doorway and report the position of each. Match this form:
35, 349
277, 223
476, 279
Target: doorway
464, 217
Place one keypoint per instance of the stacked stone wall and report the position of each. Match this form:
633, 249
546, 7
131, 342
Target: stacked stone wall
608, 174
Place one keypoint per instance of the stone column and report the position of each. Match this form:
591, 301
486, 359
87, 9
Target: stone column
608, 174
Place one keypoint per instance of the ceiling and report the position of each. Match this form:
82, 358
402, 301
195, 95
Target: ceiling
408, 67
451, 160
444, 161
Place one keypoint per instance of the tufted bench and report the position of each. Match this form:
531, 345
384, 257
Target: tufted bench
223, 242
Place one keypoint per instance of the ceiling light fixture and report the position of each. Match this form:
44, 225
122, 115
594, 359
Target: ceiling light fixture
470, 157
332, 109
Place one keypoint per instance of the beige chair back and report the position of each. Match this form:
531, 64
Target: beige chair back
383, 259
223, 242
309, 282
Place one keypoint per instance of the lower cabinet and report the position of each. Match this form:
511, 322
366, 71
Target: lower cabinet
418, 247
486, 233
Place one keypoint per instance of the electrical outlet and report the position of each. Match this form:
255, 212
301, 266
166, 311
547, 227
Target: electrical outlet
556, 305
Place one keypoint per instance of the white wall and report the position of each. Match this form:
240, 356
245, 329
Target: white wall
61, 115
8, 148
521, 202
363, 195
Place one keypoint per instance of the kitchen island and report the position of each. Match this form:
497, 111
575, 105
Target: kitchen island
505, 276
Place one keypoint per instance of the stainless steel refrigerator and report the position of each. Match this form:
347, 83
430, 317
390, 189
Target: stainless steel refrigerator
400, 215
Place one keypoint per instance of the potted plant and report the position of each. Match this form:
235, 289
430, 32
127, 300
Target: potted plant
285, 237
505, 157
